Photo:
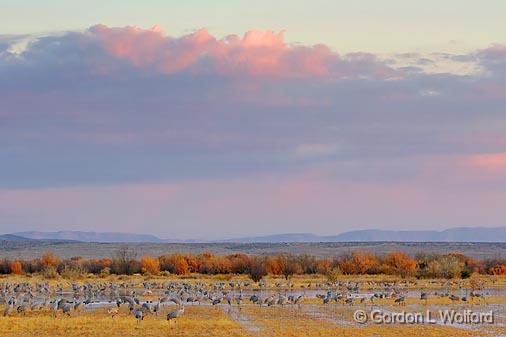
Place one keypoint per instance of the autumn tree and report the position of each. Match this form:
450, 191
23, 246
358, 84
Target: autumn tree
288, 265
16, 267
446, 266
323, 266
272, 266
150, 265
175, 264
498, 270
257, 269
124, 261
49, 259
364, 263
345, 263
399, 263
239, 263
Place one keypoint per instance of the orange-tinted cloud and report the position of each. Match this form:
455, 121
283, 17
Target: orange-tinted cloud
257, 53
491, 162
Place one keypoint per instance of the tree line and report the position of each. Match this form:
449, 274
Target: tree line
125, 261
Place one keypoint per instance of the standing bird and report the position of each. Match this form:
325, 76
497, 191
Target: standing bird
66, 309
139, 316
8, 309
156, 308
113, 311
400, 301
54, 307
176, 313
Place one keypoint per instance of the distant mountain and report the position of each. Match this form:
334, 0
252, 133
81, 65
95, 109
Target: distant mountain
460, 234
12, 237
89, 236
289, 237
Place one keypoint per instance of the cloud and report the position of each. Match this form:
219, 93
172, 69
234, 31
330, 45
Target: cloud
316, 150
257, 53
491, 162
494, 59
132, 105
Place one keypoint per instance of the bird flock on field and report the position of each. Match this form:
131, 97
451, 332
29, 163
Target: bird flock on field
155, 297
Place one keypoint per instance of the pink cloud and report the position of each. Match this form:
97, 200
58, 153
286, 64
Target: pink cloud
257, 53
495, 162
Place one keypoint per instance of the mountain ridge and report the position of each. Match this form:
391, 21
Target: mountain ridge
456, 234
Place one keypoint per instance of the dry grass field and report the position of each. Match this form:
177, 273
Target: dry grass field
34, 249
310, 317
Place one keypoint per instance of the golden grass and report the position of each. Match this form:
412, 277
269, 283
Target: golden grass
290, 321
197, 321
297, 281
281, 322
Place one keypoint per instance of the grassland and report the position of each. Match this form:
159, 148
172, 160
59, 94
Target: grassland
310, 318
34, 249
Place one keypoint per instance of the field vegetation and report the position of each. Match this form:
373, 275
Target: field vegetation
328, 292
126, 262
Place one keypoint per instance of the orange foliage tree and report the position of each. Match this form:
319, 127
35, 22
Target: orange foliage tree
289, 265
399, 263
175, 264
498, 270
16, 267
150, 265
49, 259
323, 266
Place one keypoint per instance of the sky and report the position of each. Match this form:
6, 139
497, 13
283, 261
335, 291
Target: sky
217, 120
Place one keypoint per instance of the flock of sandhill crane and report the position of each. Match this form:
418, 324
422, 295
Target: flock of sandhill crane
22, 297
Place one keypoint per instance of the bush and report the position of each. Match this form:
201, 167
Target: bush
257, 269
124, 263
50, 272
358, 263
288, 265
72, 272
498, 270
399, 263
150, 265
49, 259
105, 272
16, 268
334, 274
175, 264
323, 266
446, 266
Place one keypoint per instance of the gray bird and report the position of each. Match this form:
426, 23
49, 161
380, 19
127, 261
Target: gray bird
176, 313
138, 314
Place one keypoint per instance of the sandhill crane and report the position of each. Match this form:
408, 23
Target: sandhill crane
176, 313
400, 300
66, 309
453, 298
156, 307
139, 315
79, 306
8, 309
54, 307
113, 311
298, 300
21, 309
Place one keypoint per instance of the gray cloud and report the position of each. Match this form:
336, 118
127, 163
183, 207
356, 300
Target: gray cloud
96, 108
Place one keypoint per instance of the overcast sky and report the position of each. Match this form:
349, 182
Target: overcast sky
240, 118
